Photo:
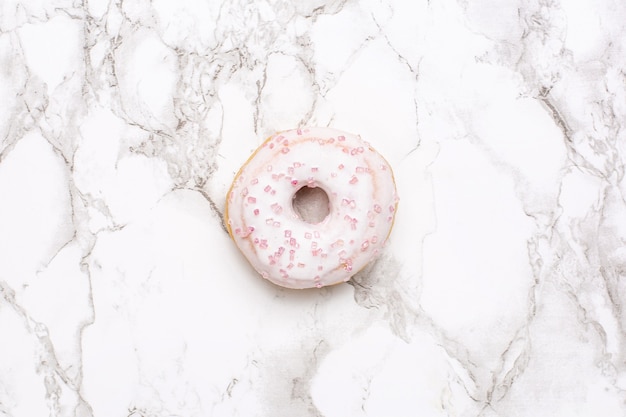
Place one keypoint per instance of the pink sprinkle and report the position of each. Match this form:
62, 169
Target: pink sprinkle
269, 221
313, 245
263, 244
300, 265
392, 209
290, 170
256, 240
316, 252
383, 167
275, 177
292, 241
353, 151
389, 219
359, 149
276, 208
299, 131
364, 245
345, 150
267, 188
238, 231
244, 192
354, 180
271, 146
265, 275
279, 138
318, 285
370, 214
340, 166
333, 174
276, 224
374, 239
307, 235
377, 208
285, 142
341, 138
290, 265
353, 221
255, 181
256, 212
281, 250
285, 150
297, 164
331, 140
294, 182
273, 192
320, 267
348, 267
342, 253
287, 233
291, 254
314, 169
316, 234
372, 224
272, 259
251, 200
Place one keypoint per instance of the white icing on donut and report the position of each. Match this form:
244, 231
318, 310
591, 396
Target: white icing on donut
284, 248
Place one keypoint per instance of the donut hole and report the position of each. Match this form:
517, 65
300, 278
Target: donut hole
311, 204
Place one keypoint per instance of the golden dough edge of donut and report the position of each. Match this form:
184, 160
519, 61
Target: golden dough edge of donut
232, 185
245, 164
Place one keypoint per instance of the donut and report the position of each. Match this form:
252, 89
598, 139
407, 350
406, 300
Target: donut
348, 189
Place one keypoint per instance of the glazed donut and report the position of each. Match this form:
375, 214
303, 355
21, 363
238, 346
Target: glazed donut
273, 233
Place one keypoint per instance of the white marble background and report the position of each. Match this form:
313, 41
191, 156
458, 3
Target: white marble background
502, 292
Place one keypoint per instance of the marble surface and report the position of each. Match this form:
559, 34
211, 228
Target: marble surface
502, 292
